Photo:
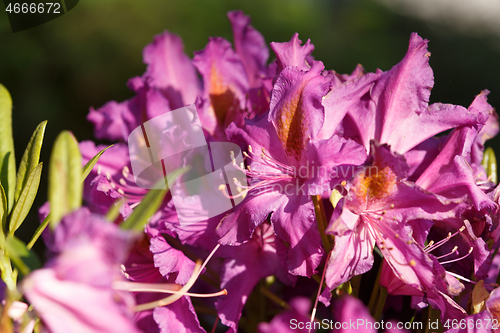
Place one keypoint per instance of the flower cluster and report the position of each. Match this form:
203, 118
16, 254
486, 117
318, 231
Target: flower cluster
355, 185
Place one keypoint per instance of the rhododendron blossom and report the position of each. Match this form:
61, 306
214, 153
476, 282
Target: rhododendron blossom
347, 197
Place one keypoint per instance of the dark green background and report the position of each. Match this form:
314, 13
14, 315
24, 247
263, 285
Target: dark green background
56, 71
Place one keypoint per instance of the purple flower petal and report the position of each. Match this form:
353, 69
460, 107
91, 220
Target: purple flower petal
248, 264
295, 110
226, 84
292, 53
169, 260
250, 46
352, 255
179, 316
170, 70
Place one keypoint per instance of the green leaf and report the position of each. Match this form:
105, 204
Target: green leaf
490, 164
114, 210
38, 232
65, 177
7, 159
90, 164
149, 205
26, 199
3, 211
24, 259
85, 172
30, 159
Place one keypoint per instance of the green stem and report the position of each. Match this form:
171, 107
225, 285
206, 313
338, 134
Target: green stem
355, 284
375, 290
266, 292
320, 214
432, 316
379, 307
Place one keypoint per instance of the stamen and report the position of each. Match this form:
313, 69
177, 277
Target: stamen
166, 288
99, 169
431, 246
170, 299
452, 252
450, 261
489, 286
313, 314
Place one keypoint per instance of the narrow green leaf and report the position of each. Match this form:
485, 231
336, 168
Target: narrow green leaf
30, 159
7, 159
26, 199
85, 172
65, 177
114, 210
3, 210
38, 232
149, 205
90, 164
24, 259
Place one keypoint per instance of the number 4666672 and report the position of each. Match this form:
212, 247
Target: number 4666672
33, 8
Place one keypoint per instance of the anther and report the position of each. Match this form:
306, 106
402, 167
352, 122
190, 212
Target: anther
125, 171
250, 149
108, 175
120, 191
392, 205
99, 170
412, 263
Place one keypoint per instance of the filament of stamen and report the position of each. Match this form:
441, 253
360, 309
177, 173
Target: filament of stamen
452, 252
313, 314
431, 246
450, 261
170, 299
160, 288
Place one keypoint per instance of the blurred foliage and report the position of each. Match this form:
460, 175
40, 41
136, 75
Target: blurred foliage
58, 70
